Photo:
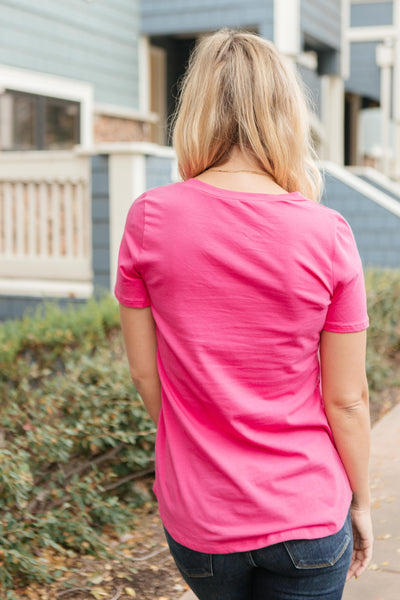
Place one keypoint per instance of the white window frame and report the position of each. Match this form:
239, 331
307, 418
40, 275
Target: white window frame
43, 84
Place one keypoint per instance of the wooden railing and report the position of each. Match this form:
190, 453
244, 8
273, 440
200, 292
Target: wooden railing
45, 224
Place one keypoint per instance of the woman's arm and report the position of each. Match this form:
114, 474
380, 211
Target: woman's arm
345, 395
140, 340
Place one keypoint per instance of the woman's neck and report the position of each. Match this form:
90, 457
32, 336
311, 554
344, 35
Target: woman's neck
241, 173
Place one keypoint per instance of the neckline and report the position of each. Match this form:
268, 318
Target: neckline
214, 190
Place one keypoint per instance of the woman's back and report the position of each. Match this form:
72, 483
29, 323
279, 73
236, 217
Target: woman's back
241, 286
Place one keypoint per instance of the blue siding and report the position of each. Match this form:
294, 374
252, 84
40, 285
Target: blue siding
158, 171
195, 16
364, 72
376, 230
375, 13
100, 223
15, 307
321, 22
96, 42
313, 85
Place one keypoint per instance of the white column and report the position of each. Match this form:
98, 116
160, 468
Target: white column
287, 26
396, 89
127, 173
345, 44
332, 109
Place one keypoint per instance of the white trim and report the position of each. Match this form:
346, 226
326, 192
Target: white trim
371, 34
40, 288
43, 165
378, 177
287, 26
309, 60
111, 110
369, 1
332, 116
56, 87
127, 174
364, 188
345, 43
112, 148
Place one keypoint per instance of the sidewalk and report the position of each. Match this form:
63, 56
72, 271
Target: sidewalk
382, 580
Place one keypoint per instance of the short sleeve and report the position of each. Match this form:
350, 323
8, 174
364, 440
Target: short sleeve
347, 311
130, 288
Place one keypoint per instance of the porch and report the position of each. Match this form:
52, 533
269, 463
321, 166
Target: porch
62, 216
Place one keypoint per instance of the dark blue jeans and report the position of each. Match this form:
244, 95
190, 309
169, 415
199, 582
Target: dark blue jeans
293, 570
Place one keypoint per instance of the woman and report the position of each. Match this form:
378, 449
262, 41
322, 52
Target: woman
243, 313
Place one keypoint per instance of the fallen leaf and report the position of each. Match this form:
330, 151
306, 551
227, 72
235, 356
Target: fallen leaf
126, 537
97, 578
99, 593
131, 592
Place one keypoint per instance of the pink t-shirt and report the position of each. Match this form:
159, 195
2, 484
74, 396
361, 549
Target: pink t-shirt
241, 286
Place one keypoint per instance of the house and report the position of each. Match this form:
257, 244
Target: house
86, 91
372, 96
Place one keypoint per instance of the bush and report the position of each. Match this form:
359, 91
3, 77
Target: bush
383, 296
73, 439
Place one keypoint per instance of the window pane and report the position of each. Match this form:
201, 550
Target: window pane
17, 121
24, 122
61, 124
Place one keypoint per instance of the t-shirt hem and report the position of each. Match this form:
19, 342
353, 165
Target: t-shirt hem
301, 533
306, 532
349, 328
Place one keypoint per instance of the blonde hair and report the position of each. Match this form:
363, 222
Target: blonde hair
240, 90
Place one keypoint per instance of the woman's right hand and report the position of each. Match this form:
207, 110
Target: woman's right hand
362, 541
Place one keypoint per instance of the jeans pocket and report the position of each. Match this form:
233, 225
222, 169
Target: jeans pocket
189, 562
321, 552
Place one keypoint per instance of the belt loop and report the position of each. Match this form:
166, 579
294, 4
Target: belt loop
250, 559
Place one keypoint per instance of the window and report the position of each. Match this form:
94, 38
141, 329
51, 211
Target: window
33, 122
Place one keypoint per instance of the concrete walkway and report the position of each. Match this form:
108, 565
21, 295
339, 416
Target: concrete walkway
382, 580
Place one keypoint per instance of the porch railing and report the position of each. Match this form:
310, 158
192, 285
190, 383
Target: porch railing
45, 224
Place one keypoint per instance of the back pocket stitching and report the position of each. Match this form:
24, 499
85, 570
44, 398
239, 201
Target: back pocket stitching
192, 573
302, 564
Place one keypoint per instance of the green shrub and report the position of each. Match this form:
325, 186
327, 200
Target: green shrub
383, 296
74, 436
47, 335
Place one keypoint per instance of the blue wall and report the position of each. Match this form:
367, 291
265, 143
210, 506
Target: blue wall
321, 22
366, 14
15, 307
313, 86
96, 42
376, 230
364, 73
193, 16
158, 171
100, 222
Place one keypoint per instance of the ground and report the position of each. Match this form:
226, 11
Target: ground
142, 567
